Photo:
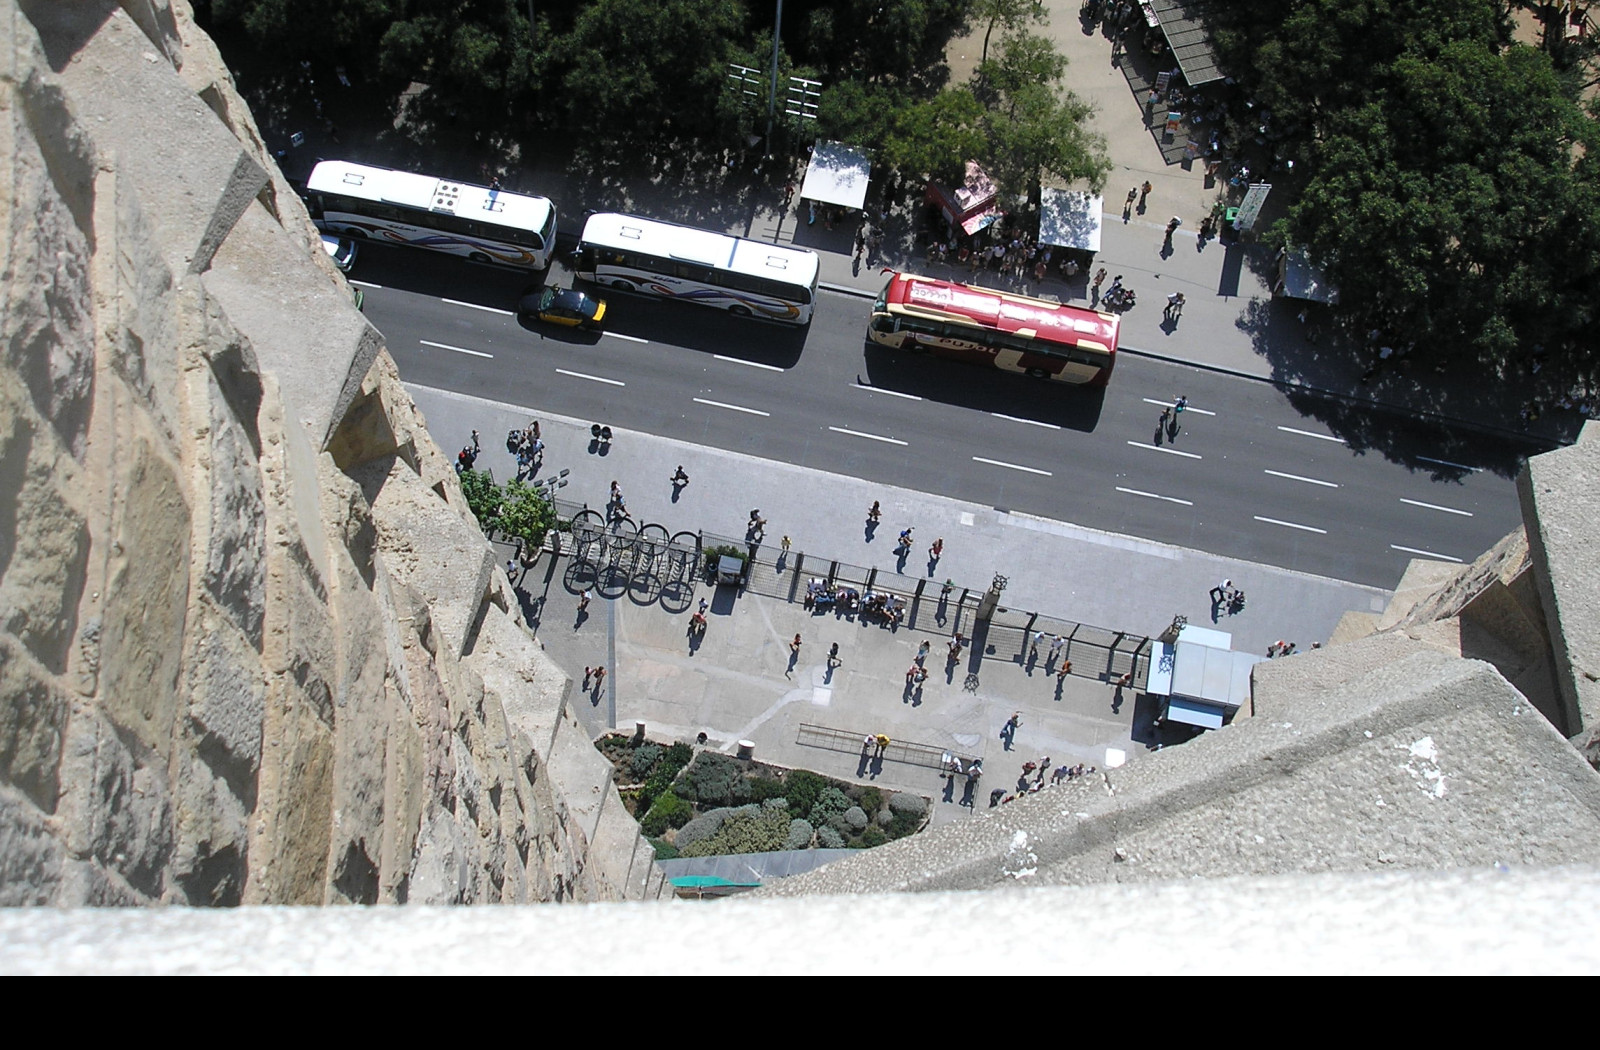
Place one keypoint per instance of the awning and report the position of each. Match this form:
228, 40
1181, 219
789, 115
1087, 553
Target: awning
1070, 219
838, 175
1298, 279
981, 221
1187, 36
1216, 675
1195, 713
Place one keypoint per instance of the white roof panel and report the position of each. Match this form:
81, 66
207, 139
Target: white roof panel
1070, 219
838, 175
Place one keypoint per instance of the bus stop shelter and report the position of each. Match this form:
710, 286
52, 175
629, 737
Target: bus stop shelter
1070, 219
1297, 278
837, 175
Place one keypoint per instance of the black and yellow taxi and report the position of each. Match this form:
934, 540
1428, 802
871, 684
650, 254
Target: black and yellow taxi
554, 304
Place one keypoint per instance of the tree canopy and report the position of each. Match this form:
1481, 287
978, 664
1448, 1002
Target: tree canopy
1450, 176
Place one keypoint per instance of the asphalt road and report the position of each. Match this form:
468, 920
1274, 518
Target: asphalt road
1253, 473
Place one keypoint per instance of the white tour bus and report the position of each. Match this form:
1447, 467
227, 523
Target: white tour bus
741, 276
398, 207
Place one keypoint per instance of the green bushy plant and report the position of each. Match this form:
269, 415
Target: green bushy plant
715, 779
830, 805
872, 837
483, 497
801, 787
644, 759
827, 838
667, 811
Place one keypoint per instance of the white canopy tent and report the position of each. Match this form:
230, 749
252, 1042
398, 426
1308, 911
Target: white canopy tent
1070, 219
838, 175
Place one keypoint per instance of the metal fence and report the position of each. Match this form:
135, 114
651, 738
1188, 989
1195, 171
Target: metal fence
650, 565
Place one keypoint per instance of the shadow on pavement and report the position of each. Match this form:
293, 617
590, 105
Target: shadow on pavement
987, 390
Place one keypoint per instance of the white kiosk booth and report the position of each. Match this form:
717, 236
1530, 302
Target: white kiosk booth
1200, 679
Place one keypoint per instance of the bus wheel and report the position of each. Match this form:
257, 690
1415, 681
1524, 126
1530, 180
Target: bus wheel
1038, 373
478, 257
739, 311
354, 233
622, 286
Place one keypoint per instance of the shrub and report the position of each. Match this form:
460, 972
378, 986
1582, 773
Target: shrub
764, 788
904, 803
664, 850
870, 799
483, 497
801, 787
679, 755
746, 830
774, 804
644, 759
831, 803
667, 811
715, 554
827, 838
715, 779
855, 818
666, 770
525, 513
701, 828
873, 837
800, 834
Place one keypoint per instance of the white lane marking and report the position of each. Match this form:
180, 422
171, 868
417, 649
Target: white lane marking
597, 379
1152, 495
742, 361
367, 284
1447, 463
1290, 525
885, 390
1309, 434
1012, 466
869, 437
1296, 477
1170, 404
1435, 506
475, 306
1030, 422
629, 338
457, 349
1425, 554
733, 408
1163, 448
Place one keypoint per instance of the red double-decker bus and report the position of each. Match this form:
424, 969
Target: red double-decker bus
1018, 333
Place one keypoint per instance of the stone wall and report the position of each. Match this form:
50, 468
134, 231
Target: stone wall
253, 648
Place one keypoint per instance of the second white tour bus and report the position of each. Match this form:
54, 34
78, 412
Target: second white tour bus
424, 211
741, 276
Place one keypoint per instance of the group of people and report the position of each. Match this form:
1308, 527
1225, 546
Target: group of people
527, 446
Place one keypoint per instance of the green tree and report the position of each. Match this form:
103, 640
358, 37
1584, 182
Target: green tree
525, 513
1031, 127
642, 70
483, 497
1005, 15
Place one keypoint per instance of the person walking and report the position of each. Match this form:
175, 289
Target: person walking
922, 651
1174, 308
599, 680
794, 646
1066, 669
833, 655
1055, 646
785, 545
679, 477
1144, 192
583, 601
1127, 207
1099, 279
874, 512
937, 549
1172, 227
788, 192
1221, 592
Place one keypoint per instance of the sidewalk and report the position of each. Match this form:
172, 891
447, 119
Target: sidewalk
737, 684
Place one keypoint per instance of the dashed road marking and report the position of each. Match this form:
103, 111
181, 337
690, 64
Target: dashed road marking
1012, 466
1311, 434
596, 379
1425, 554
1291, 525
732, 408
1435, 506
1153, 495
1447, 463
1168, 451
457, 349
1173, 404
475, 306
1030, 422
742, 361
869, 437
1297, 477
619, 335
884, 390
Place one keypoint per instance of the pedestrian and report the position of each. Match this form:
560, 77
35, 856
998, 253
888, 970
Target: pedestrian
911, 674
1172, 227
861, 241
922, 651
937, 549
794, 646
616, 492
679, 477
757, 523
786, 545
1144, 192
1133, 195
588, 673
874, 513
464, 459
788, 192
1174, 305
583, 600
833, 655
905, 538
476, 448
1099, 279
599, 679
1066, 669
874, 244
1180, 404
1055, 646
1015, 721
704, 605
1038, 637
1221, 591
867, 743
882, 742
511, 566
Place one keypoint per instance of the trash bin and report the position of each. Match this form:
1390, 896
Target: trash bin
729, 569
1229, 233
